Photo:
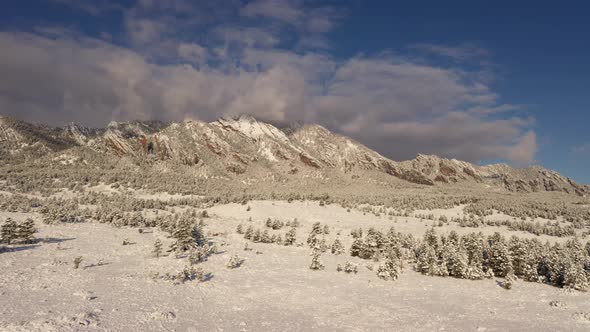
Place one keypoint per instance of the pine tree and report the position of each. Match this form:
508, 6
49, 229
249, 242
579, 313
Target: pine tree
312, 239
265, 237
500, 262
291, 237
240, 229
157, 248
518, 253
249, 234
315, 260
510, 278
184, 234
234, 262
26, 230
373, 245
257, 237
350, 268
337, 247
431, 239
9, 231
456, 261
390, 268
356, 247
427, 261
473, 244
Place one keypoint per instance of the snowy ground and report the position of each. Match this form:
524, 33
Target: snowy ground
273, 290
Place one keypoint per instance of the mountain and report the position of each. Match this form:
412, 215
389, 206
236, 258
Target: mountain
244, 148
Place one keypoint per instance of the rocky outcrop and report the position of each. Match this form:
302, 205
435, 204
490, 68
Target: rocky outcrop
243, 146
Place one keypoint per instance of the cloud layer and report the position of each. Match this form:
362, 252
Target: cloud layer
269, 69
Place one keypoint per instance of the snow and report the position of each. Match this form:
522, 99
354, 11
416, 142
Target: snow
274, 290
252, 128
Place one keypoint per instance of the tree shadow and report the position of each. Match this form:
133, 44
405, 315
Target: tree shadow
95, 265
19, 248
501, 283
50, 240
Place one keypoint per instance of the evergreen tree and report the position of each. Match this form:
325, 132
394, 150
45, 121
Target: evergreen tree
315, 260
249, 234
456, 262
184, 234
312, 239
356, 247
373, 245
157, 248
431, 239
26, 231
500, 262
510, 278
390, 269
234, 262
518, 252
427, 261
9, 231
240, 229
337, 247
291, 236
257, 237
473, 244
265, 237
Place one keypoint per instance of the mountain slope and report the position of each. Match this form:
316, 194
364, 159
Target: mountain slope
247, 149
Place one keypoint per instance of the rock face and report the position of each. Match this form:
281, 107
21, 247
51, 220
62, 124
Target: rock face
231, 147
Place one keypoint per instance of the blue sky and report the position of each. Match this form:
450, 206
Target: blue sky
483, 81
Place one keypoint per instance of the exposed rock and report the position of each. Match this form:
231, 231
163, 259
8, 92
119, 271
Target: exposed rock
234, 146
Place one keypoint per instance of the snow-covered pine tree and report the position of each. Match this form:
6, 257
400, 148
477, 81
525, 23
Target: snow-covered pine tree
184, 237
427, 260
234, 262
575, 275
265, 237
500, 261
473, 244
518, 253
356, 247
509, 279
374, 244
9, 231
312, 239
337, 247
249, 234
390, 268
315, 260
157, 248
457, 263
26, 230
291, 236
257, 237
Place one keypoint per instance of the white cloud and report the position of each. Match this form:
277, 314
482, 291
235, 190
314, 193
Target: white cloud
460, 52
246, 36
283, 10
393, 104
192, 52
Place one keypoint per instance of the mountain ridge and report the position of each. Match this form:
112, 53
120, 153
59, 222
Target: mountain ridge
230, 147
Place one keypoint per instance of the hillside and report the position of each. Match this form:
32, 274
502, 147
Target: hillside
244, 148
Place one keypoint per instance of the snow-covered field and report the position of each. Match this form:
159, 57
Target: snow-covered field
274, 289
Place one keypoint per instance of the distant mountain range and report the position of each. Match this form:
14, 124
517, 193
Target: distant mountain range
245, 147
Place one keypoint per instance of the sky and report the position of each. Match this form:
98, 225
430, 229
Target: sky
481, 81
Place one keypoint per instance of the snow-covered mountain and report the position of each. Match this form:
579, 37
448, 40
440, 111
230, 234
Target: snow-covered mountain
243, 146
